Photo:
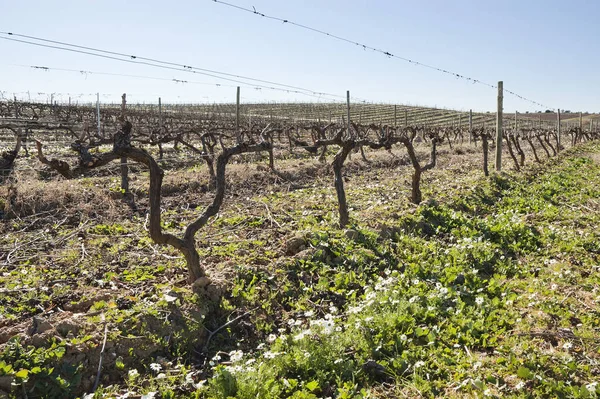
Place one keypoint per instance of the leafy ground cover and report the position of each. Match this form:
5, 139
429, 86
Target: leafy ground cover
490, 288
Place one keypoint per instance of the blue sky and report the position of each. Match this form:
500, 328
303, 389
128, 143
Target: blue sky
543, 50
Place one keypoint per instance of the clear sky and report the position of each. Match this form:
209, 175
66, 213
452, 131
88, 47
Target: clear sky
543, 50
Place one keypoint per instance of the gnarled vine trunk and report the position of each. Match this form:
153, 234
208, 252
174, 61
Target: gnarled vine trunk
7, 159
416, 196
337, 164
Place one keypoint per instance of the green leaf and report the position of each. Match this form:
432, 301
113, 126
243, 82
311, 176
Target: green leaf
312, 386
525, 373
23, 373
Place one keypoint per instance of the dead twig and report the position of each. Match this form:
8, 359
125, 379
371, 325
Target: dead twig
270, 215
83, 253
230, 322
101, 355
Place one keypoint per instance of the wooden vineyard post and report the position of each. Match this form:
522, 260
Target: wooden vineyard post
499, 126
160, 120
19, 131
348, 109
348, 121
558, 130
405, 118
123, 106
470, 125
98, 111
237, 115
395, 116
124, 168
581, 120
516, 120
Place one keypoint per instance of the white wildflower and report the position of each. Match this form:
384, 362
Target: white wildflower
301, 335
155, 367
236, 356
326, 325
133, 373
419, 364
270, 355
215, 360
189, 379
355, 309
479, 300
234, 369
201, 384
169, 298
271, 338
